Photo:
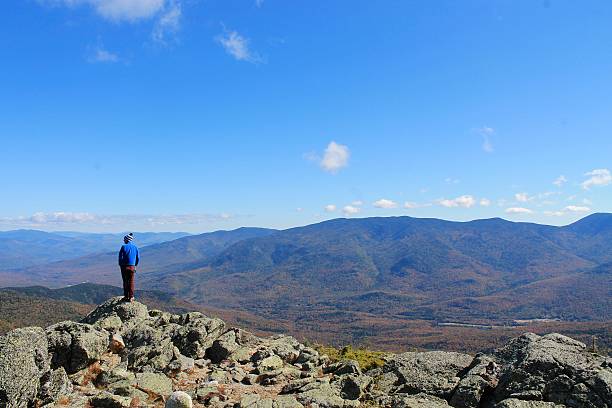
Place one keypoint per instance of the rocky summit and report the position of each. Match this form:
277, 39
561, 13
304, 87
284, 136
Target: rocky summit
123, 355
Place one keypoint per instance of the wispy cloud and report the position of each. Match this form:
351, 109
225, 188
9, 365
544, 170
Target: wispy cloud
522, 197
330, 208
411, 205
238, 46
560, 181
67, 218
577, 208
101, 55
554, 213
568, 209
166, 13
485, 202
518, 211
384, 203
465, 201
350, 210
168, 23
486, 133
115, 10
597, 177
259, 3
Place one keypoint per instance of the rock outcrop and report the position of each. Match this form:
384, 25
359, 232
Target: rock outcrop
24, 360
124, 355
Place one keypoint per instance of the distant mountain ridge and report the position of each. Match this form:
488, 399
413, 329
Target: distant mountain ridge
23, 248
432, 268
489, 270
101, 267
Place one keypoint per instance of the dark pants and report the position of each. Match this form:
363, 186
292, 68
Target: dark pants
127, 274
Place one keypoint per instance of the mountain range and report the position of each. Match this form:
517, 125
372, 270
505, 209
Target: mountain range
22, 248
371, 270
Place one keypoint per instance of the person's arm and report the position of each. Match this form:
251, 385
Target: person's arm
120, 256
137, 256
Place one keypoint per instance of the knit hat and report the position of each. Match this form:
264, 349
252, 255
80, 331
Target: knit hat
128, 237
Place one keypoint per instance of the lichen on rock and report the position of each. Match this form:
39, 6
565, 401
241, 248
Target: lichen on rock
123, 355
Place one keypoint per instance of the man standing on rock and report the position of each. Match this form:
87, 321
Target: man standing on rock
128, 259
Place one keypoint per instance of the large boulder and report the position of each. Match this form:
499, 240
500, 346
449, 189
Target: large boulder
271, 363
223, 347
74, 346
115, 308
435, 373
351, 386
148, 347
23, 361
286, 347
343, 367
482, 377
154, 382
517, 403
196, 333
317, 392
323, 394
155, 341
108, 400
553, 368
413, 401
53, 385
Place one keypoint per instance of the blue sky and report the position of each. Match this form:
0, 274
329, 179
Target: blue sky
196, 115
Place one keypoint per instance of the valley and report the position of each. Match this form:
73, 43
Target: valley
389, 283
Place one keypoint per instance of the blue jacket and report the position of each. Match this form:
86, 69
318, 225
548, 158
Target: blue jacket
128, 255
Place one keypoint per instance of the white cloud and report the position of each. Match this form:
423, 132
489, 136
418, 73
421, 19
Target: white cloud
384, 203
560, 181
102, 55
350, 210
569, 208
259, 3
131, 10
412, 205
547, 194
167, 12
486, 132
330, 208
238, 47
518, 210
62, 217
168, 23
336, 156
67, 218
485, 202
465, 201
450, 180
597, 177
299, 209
116, 10
577, 208
357, 203
522, 197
